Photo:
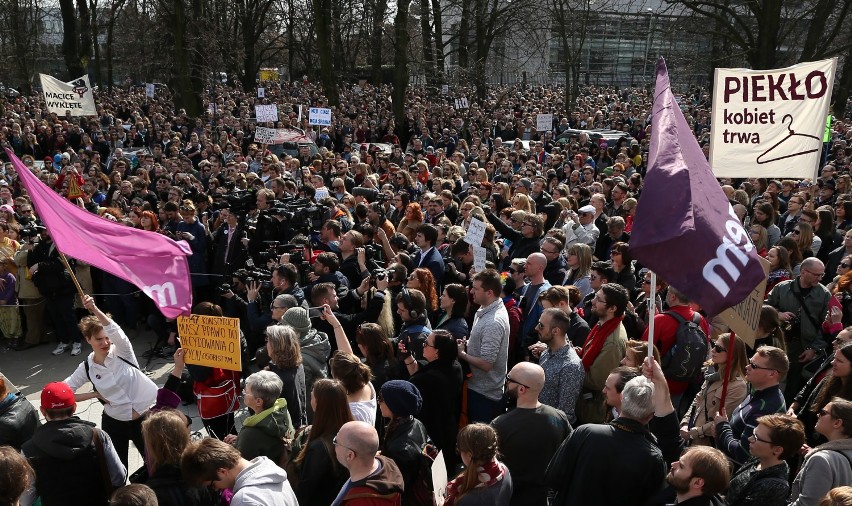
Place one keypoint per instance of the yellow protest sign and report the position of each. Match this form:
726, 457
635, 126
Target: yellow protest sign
744, 317
267, 74
212, 341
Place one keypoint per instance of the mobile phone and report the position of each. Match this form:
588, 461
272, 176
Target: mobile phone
314, 312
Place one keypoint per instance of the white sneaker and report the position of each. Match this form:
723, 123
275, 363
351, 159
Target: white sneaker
76, 348
60, 349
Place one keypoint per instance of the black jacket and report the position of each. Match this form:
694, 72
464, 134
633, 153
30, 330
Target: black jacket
440, 386
320, 475
18, 421
171, 489
403, 442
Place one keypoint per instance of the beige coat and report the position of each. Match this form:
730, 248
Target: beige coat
705, 407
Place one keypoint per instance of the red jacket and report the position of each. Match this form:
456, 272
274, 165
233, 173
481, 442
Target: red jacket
665, 335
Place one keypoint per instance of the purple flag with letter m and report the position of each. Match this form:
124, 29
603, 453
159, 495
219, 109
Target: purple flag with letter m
685, 230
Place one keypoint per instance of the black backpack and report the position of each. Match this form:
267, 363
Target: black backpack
686, 357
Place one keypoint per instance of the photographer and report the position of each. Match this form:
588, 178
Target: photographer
354, 265
324, 293
229, 245
411, 307
330, 236
459, 264
326, 269
269, 227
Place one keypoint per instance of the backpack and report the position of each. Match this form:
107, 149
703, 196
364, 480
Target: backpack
422, 490
686, 357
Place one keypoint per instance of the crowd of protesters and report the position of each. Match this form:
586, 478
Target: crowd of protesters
375, 332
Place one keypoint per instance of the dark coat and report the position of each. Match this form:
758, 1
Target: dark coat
440, 386
404, 441
171, 489
18, 421
435, 264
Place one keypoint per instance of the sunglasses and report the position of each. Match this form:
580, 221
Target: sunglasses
718, 349
845, 266
510, 380
755, 366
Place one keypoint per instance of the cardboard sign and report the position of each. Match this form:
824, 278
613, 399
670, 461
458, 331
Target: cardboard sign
445, 89
770, 123
744, 317
264, 135
212, 341
261, 92
319, 116
479, 258
461, 103
439, 478
149, 90
266, 113
475, 232
544, 122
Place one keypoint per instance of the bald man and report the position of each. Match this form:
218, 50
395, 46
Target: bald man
372, 478
530, 425
530, 306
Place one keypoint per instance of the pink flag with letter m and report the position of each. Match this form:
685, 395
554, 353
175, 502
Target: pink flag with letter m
151, 261
685, 228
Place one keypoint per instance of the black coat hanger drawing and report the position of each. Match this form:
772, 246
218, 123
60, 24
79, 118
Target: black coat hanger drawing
790, 135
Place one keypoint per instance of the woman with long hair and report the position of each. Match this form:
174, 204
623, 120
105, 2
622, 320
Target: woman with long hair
485, 479
803, 234
794, 252
423, 280
285, 360
453, 303
579, 261
843, 268
356, 377
837, 383
320, 476
769, 331
779, 267
439, 379
727, 357
166, 435
843, 290
411, 221
843, 216
759, 237
766, 215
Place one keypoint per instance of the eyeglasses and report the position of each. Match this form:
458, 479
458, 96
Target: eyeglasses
753, 438
812, 273
426, 344
845, 266
796, 232
549, 252
823, 413
755, 366
273, 307
335, 443
528, 224
510, 380
718, 348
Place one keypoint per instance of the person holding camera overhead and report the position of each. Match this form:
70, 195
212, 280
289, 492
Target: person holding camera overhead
803, 304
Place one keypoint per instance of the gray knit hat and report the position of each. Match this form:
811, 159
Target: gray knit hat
297, 317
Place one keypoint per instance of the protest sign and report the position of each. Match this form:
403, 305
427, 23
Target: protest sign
744, 317
439, 478
261, 92
544, 122
212, 341
319, 116
269, 75
75, 97
445, 89
479, 258
475, 232
149, 90
461, 103
264, 135
770, 123
266, 113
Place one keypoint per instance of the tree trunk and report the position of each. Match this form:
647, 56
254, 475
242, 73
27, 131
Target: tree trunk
186, 95
765, 55
464, 38
85, 33
426, 35
438, 34
322, 22
339, 55
99, 78
400, 68
379, 10
109, 41
70, 40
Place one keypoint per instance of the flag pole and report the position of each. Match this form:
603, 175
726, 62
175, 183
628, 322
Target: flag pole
652, 309
731, 347
73, 277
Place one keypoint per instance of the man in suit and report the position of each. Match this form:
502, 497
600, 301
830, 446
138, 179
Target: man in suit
428, 257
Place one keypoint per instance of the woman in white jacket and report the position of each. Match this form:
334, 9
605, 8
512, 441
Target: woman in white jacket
126, 392
828, 465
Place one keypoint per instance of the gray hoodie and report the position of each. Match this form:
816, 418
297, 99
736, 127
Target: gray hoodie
825, 467
315, 352
263, 483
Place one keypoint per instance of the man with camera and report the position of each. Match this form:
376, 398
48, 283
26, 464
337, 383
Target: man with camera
324, 293
802, 305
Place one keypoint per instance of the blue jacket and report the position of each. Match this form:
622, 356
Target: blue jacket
435, 264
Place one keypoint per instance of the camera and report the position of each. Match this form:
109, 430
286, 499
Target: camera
223, 288
31, 231
379, 274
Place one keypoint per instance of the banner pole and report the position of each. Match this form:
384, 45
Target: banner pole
652, 310
725, 375
73, 276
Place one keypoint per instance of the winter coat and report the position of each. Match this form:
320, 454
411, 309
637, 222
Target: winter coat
262, 433
825, 467
18, 421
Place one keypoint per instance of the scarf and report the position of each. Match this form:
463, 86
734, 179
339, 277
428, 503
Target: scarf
488, 475
596, 339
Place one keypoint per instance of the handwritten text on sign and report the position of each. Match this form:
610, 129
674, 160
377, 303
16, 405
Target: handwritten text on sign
266, 113
319, 116
770, 122
475, 232
211, 341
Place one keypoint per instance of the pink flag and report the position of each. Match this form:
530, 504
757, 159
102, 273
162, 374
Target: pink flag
151, 261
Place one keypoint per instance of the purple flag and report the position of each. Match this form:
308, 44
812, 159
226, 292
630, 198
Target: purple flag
685, 228
151, 261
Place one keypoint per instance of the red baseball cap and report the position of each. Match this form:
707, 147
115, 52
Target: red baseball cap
57, 395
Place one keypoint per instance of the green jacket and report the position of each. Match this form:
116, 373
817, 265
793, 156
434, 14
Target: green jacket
784, 298
263, 432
